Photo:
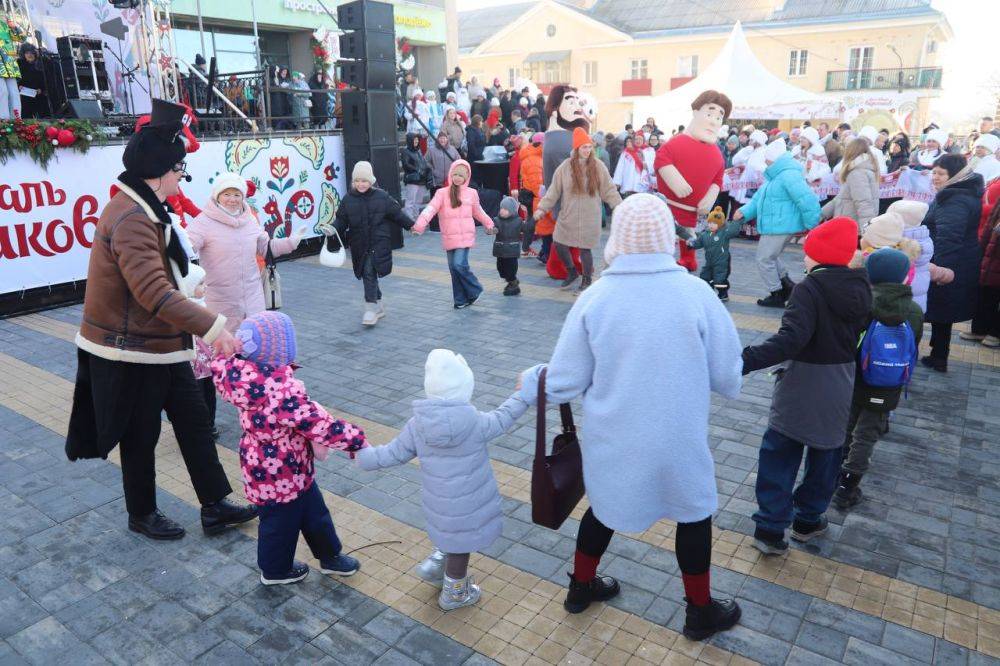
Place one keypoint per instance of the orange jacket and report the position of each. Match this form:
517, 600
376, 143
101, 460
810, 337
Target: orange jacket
531, 168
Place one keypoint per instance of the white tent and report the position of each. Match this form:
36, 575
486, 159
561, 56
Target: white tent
756, 93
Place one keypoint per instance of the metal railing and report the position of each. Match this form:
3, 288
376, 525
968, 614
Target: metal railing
892, 78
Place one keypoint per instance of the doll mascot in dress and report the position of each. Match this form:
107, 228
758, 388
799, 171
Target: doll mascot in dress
689, 166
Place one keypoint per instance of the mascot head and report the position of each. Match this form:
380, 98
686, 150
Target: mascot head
563, 107
710, 109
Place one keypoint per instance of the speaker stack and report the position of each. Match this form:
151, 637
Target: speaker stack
368, 46
84, 76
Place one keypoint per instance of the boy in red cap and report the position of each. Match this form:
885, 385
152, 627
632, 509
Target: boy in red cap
810, 408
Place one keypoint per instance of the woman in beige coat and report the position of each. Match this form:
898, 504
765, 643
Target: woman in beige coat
858, 196
580, 185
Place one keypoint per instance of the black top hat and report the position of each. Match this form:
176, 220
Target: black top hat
157, 147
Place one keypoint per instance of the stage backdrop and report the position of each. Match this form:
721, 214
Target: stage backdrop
47, 218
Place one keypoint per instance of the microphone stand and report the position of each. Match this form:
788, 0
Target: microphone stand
129, 76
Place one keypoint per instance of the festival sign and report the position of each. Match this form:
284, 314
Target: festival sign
48, 217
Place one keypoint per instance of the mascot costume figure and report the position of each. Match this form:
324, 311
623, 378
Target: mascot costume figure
565, 114
689, 166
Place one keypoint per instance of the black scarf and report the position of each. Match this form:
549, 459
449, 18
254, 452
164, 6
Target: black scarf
175, 251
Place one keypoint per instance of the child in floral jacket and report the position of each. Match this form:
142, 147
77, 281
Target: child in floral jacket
282, 428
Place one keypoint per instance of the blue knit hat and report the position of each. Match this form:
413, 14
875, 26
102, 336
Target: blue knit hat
887, 265
268, 339
510, 205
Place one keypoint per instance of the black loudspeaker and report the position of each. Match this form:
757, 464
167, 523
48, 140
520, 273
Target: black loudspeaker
370, 74
369, 117
368, 46
385, 164
366, 15
89, 109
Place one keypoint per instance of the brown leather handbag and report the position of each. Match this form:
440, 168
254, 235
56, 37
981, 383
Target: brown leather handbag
556, 479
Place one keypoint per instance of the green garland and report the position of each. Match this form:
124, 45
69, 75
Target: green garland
35, 137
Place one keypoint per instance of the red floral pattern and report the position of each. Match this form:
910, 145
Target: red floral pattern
280, 423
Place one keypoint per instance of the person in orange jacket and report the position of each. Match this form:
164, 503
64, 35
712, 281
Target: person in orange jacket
529, 193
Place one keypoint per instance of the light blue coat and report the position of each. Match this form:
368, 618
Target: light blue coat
645, 345
460, 497
784, 204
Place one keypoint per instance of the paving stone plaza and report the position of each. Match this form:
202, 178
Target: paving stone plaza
910, 576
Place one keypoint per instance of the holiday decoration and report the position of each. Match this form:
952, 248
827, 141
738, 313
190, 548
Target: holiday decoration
66, 138
42, 140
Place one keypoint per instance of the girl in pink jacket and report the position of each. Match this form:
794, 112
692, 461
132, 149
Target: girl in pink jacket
457, 207
227, 239
283, 432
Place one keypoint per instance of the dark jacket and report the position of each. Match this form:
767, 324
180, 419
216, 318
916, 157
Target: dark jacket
319, 99
989, 275
892, 304
953, 220
507, 242
826, 313
475, 141
416, 171
534, 123
363, 222
716, 245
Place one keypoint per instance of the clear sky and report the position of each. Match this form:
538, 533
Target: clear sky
969, 59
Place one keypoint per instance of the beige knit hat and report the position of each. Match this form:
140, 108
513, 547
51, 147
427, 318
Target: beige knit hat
363, 171
884, 230
912, 212
642, 224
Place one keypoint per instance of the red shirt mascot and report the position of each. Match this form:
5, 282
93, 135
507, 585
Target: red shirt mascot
689, 166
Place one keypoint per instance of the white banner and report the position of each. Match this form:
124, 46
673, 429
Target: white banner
47, 217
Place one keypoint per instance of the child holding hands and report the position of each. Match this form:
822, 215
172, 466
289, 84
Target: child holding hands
281, 428
718, 260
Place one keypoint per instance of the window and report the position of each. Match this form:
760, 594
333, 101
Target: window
687, 66
233, 49
550, 30
639, 68
548, 72
860, 67
932, 46
513, 74
590, 72
797, 60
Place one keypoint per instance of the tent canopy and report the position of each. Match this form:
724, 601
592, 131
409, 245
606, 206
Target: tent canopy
756, 92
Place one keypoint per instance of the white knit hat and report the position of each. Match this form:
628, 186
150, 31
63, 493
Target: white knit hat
774, 150
811, 135
884, 230
868, 133
939, 135
363, 171
641, 224
228, 181
990, 142
758, 137
912, 212
447, 376
495, 101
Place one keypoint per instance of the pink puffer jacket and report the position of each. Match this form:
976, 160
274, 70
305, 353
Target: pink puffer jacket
227, 246
458, 228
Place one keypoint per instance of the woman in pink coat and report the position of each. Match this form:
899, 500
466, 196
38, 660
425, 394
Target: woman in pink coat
457, 207
227, 238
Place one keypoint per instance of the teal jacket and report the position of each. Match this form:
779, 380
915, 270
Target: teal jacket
716, 245
784, 204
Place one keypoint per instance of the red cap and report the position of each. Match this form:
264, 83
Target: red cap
580, 138
833, 243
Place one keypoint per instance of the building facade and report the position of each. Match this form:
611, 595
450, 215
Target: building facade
878, 58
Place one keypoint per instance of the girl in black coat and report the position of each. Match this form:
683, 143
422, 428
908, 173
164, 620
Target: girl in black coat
32, 77
475, 139
416, 175
953, 220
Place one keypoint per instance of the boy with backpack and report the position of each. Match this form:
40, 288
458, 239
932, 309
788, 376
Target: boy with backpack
886, 360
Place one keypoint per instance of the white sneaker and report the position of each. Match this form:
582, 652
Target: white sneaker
458, 593
370, 317
379, 310
432, 569
990, 341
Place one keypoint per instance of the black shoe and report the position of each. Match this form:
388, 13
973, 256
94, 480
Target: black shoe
156, 526
580, 595
570, 280
700, 622
472, 301
217, 517
513, 288
298, 572
934, 363
461, 306
769, 543
723, 292
803, 532
786, 286
848, 492
775, 300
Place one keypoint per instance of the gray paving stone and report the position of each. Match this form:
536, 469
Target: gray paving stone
431, 648
822, 640
389, 626
47, 641
852, 623
639, 575
752, 644
533, 561
349, 645
17, 611
225, 654
308, 655
277, 644
802, 657
912, 643
862, 652
89, 617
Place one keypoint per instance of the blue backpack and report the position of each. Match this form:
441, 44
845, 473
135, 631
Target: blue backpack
888, 355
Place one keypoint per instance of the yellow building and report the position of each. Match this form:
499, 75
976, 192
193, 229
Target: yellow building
878, 58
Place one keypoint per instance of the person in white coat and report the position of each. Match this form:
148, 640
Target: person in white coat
809, 152
751, 159
932, 148
645, 451
417, 115
631, 174
984, 157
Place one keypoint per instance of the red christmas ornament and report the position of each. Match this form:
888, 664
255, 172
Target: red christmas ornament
66, 138
51, 132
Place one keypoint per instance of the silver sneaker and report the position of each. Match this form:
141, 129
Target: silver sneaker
432, 569
458, 593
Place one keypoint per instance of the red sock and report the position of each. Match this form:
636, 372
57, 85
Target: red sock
584, 567
696, 588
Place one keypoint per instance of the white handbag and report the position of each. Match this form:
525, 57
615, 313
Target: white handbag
330, 258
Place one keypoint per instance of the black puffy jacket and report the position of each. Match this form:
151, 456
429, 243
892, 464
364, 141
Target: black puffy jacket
363, 222
953, 220
416, 171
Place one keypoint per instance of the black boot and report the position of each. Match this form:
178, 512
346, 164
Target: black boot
601, 588
700, 622
218, 516
156, 526
848, 492
935, 363
513, 288
722, 289
775, 300
786, 286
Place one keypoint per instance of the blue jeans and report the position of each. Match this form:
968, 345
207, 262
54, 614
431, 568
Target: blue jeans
777, 504
464, 285
279, 529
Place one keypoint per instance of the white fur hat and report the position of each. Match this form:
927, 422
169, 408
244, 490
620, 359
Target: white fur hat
912, 212
990, 142
868, 133
774, 150
884, 230
447, 376
641, 224
758, 137
228, 181
495, 101
939, 135
811, 135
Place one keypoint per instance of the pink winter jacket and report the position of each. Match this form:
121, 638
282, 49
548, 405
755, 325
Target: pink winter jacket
228, 246
458, 228
281, 428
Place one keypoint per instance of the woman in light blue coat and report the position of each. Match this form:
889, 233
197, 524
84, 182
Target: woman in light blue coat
645, 346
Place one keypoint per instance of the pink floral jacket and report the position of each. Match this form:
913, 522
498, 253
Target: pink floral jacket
279, 423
